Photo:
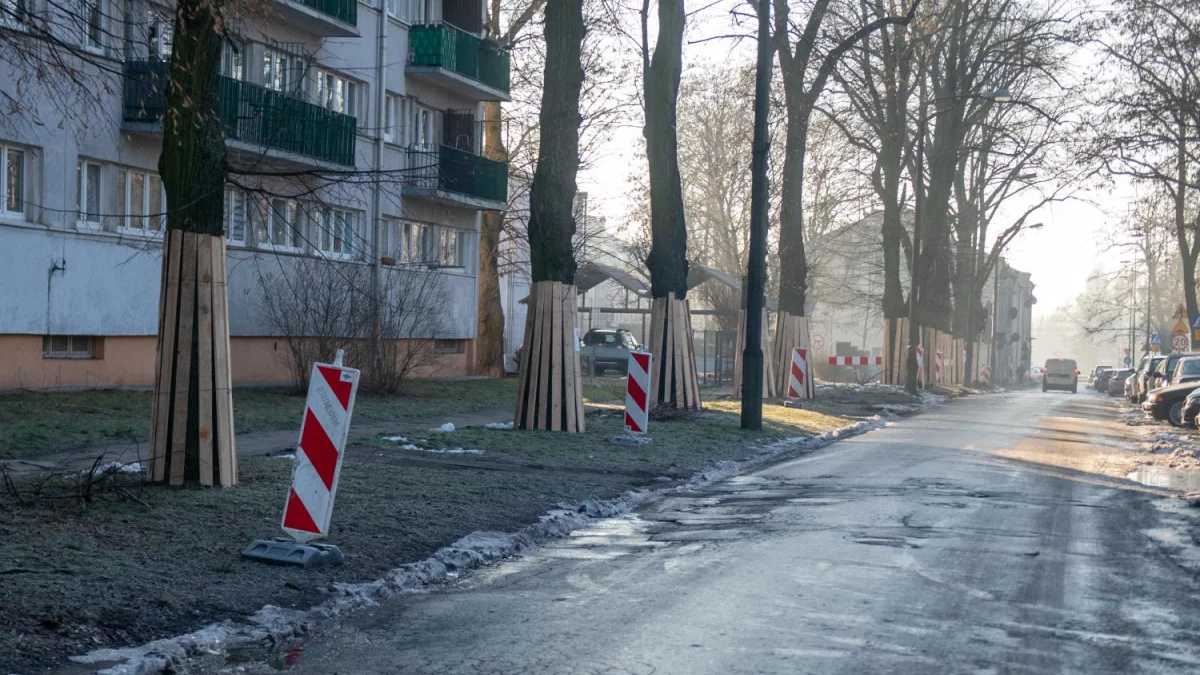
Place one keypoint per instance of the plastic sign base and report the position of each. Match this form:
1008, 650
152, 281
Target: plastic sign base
788, 403
631, 441
288, 552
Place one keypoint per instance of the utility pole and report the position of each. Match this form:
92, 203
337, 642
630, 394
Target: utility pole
756, 269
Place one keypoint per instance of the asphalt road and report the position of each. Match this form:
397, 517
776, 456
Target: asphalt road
961, 540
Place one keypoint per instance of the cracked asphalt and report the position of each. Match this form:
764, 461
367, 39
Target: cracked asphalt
967, 539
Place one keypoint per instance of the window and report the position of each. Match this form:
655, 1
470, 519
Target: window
71, 347
339, 233
233, 65
12, 180
91, 18
282, 71
338, 94
142, 200
422, 126
448, 346
420, 12
160, 34
236, 216
282, 228
87, 205
391, 117
393, 8
14, 13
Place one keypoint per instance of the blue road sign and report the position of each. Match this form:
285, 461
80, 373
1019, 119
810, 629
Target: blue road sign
1196, 323
1128, 361
1156, 339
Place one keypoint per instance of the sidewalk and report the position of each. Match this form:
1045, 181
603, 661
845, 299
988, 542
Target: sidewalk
251, 444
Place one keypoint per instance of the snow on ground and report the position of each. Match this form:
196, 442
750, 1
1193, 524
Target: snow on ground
447, 427
476, 549
498, 425
415, 447
116, 467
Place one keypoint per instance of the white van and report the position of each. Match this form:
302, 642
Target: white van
1060, 374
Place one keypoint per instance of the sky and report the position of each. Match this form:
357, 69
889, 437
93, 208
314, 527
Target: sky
1060, 256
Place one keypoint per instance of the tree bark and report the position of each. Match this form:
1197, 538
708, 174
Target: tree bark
549, 396
489, 352
192, 419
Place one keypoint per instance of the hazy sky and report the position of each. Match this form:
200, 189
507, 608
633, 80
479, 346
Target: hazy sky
1060, 256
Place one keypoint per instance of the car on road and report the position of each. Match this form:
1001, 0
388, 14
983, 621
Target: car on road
1145, 378
1166, 403
1167, 367
1187, 370
1191, 409
608, 348
1116, 381
1061, 374
1101, 383
1095, 374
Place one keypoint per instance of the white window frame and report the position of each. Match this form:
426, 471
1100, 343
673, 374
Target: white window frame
295, 231
15, 13
423, 127
140, 225
340, 94
233, 60
5, 186
85, 169
333, 237
87, 7
392, 111
232, 197
160, 34
283, 69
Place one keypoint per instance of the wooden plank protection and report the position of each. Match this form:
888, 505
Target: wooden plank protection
183, 358
204, 297
222, 368
560, 342
166, 350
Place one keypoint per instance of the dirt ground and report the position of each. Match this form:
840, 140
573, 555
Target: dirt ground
140, 562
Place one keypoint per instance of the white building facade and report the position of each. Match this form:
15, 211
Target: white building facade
353, 136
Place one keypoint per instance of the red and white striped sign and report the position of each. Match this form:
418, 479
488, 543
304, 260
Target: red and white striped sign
637, 403
921, 365
798, 373
937, 366
985, 374
855, 360
319, 453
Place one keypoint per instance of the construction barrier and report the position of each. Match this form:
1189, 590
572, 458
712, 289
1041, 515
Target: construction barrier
637, 413
798, 374
985, 375
938, 367
318, 463
855, 360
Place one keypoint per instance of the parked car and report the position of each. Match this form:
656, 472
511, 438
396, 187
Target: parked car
1166, 403
1101, 383
1095, 374
1145, 378
609, 348
1187, 370
1191, 408
1116, 381
1168, 366
1060, 374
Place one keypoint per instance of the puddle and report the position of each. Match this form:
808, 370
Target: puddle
1163, 477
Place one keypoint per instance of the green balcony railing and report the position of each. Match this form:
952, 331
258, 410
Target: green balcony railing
449, 47
250, 113
342, 10
459, 171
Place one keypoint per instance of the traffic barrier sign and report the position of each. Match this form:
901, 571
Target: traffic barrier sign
937, 366
921, 365
798, 373
855, 360
985, 374
637, 413
323, 434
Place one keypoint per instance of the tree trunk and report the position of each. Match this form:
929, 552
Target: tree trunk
489, 341
548, 390
192, 418
674, 376
793, 268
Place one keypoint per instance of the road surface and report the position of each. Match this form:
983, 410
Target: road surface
960, 540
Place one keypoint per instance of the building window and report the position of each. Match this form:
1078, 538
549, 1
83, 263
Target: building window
71, 347
339, 232
14, 13
160, 34
448, 346
233, 64
87, 205
91, 20
236, 216
422, 127
391, 118
12, 181
284, 220
142, 200
337, 93
282, 71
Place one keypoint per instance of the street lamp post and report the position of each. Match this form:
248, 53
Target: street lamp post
914, 327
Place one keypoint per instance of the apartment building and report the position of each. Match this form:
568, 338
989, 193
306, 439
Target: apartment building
354, 136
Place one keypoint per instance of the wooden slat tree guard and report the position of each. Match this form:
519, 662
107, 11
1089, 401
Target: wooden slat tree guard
791, 333
195, 349
549, 386
673, 379
768, 369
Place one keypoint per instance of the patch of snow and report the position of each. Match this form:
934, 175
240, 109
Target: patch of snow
286, 455
447, 427
116, 467
476, 549
395, 439
498, 425
442, 451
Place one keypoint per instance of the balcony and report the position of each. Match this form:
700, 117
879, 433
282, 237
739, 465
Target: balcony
255, 117
456, 177
450, 57
326, 18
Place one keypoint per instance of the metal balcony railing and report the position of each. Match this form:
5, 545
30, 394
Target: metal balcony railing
449, 47
342, 10
250, 113
448, 169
